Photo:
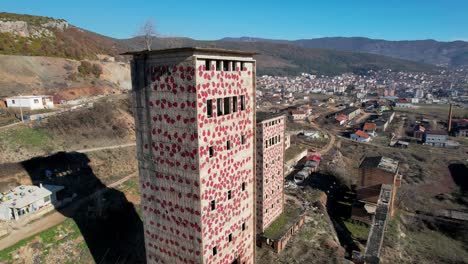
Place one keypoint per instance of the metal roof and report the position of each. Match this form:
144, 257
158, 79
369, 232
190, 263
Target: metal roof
193, 50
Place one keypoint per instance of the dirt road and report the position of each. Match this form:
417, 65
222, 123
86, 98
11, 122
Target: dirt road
51, 220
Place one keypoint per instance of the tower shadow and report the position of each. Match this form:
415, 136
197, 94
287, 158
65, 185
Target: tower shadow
109, 223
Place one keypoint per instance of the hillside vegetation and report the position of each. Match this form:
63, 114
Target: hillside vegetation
274, 58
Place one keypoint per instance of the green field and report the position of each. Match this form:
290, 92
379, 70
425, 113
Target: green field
435, 110
48, 240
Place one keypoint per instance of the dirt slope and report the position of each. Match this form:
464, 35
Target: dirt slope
31, 74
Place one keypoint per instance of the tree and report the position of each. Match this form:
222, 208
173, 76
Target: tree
148, 31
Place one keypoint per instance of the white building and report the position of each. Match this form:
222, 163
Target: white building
31, 102
26, 199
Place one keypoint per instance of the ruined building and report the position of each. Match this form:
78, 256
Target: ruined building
195, 126
270, 172
373, 173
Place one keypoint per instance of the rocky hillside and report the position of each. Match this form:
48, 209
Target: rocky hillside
43, 36
36, 74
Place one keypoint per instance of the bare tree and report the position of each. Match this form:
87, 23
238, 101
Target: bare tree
148, 31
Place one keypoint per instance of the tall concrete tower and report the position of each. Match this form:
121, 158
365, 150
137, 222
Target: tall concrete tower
195, 124
270, 169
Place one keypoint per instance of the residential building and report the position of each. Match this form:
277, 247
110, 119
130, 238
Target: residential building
436, 138
350, 112
360, 136
341, 119
297, 115
270, 171
194, 112
31, 102
370, 128
418, 132
403, 103
26, 199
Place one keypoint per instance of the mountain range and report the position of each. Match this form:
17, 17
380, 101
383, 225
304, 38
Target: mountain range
43, 36
452, 54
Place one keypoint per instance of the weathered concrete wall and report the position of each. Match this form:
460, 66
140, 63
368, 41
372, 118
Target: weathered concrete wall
167, 148
178, 177
227, 169
270, 172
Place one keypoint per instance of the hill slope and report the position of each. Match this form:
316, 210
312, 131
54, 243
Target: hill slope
42, 36
287, 59
452, 54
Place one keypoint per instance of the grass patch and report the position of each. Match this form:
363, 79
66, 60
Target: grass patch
130, 186
50, 238
26, 137
283, 222
358, 231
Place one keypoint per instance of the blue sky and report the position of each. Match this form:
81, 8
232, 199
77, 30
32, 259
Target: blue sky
445, 20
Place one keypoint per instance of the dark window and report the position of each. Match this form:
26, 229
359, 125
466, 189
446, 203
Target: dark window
208, 65
243, 186
225, 65
229, 195
36, 101
272, 205
234, 66
230, 237
13, 101
243, 139
218, 65
242, 102
228, 144
227, 105
215, 251
219, 106
213, 205
211, 151
209, 108
243, 226
234, 104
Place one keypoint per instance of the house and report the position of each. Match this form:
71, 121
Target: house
436, 138
31, 102
350, 112
297, 115
360, 136
403, 103
27, 199
418, 132
370, 129
374, 172
307, 109
341, 119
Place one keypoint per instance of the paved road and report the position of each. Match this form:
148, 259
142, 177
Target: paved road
104, 148
51, 220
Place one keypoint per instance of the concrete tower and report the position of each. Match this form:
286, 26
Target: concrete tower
195, 126
270, 171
